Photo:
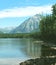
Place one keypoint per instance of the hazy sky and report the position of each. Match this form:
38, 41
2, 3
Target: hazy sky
14, 12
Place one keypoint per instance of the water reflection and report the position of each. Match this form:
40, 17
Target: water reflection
33, 49
48, 51
20, 48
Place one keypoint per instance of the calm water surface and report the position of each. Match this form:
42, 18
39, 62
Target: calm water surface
19, 48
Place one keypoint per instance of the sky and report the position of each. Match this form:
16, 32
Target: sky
14, 12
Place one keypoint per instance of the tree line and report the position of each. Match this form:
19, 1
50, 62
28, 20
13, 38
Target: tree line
48, 26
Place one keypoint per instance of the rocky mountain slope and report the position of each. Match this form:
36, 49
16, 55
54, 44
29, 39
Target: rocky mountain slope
28, 25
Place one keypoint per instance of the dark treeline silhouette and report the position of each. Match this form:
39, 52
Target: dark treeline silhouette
48, 26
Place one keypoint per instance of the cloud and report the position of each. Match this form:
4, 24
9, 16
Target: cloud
25, 11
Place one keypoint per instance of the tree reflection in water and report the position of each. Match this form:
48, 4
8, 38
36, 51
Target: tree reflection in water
49, 53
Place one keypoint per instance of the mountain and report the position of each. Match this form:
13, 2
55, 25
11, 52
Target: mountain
6, 29
28, 25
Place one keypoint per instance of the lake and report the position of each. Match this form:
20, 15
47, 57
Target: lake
14, 50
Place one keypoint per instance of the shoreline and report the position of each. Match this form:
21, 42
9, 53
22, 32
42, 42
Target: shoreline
12, 61
40, 61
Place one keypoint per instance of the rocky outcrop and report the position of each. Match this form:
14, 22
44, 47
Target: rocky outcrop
40, 61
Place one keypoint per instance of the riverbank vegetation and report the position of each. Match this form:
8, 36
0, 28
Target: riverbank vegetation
48, 26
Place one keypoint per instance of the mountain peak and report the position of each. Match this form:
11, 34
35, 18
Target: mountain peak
28, 25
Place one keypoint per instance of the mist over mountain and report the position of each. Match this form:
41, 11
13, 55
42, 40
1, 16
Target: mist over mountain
6, 29
29, 25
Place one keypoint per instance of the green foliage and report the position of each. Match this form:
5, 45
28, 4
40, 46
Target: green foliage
18, 35
48, 26
54, 10
35, 35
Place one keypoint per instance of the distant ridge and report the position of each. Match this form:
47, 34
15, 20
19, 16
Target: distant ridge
6, 29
